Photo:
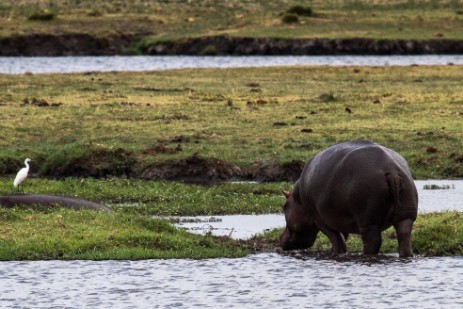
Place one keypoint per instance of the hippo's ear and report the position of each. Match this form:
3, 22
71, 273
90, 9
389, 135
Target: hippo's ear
287, 194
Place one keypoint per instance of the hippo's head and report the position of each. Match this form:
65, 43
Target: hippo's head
300, 231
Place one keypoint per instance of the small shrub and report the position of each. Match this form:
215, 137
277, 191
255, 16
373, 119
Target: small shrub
209, 50
95, 13
290, 18
300, 10
42, 15
327, 97
438, 187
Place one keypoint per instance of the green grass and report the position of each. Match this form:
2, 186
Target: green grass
111, 120
69, 234
409, 19
86, 234
163, 198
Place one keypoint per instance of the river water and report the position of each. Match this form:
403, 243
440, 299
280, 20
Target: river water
37, 65
256, 281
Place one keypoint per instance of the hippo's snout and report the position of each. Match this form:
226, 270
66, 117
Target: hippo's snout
290, 240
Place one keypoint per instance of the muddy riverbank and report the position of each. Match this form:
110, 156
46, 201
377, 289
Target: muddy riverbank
79, 44
192, 169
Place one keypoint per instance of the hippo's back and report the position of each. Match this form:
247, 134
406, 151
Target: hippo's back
353, 180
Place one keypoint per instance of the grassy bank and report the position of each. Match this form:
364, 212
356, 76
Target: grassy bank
434, 234
129, 232
161, 20
69, 234
158, 198
122, 123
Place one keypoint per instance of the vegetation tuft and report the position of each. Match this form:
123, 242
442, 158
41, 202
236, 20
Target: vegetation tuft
300, 10
209, 50
290, 18
43, 15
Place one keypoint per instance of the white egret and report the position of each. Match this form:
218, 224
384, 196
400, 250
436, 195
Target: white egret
22, 174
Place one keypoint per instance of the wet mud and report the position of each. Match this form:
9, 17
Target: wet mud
209, 170
80, 44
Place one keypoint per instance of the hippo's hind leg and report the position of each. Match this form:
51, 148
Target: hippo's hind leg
403, 230
371, 238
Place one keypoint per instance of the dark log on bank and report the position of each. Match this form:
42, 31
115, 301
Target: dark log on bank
44, 200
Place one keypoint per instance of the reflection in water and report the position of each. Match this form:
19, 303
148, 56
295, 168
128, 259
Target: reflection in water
257, 281
440, 199
235, 226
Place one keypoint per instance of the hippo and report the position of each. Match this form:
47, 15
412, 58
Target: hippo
357, 187
46, 200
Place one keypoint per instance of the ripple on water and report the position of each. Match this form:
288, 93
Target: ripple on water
257, 281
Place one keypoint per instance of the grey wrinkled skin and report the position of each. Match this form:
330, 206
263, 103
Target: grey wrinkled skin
45, 200
355, 187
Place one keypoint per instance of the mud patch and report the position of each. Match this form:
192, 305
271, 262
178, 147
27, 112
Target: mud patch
227, 45
258, 244
177, 139
39, 103
194, 169
98, 163
269, 170
197, 169
82, 44
75, 44
160, 148
101, 162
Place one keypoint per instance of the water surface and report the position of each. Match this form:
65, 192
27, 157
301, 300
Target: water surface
36, 65
257, 281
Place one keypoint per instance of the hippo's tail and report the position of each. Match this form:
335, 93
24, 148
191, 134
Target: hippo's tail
394, 181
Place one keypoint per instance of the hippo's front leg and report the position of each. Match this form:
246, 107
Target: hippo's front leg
403, 230
337, 240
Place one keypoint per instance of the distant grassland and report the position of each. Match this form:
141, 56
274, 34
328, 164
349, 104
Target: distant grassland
406, 19
238, 115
